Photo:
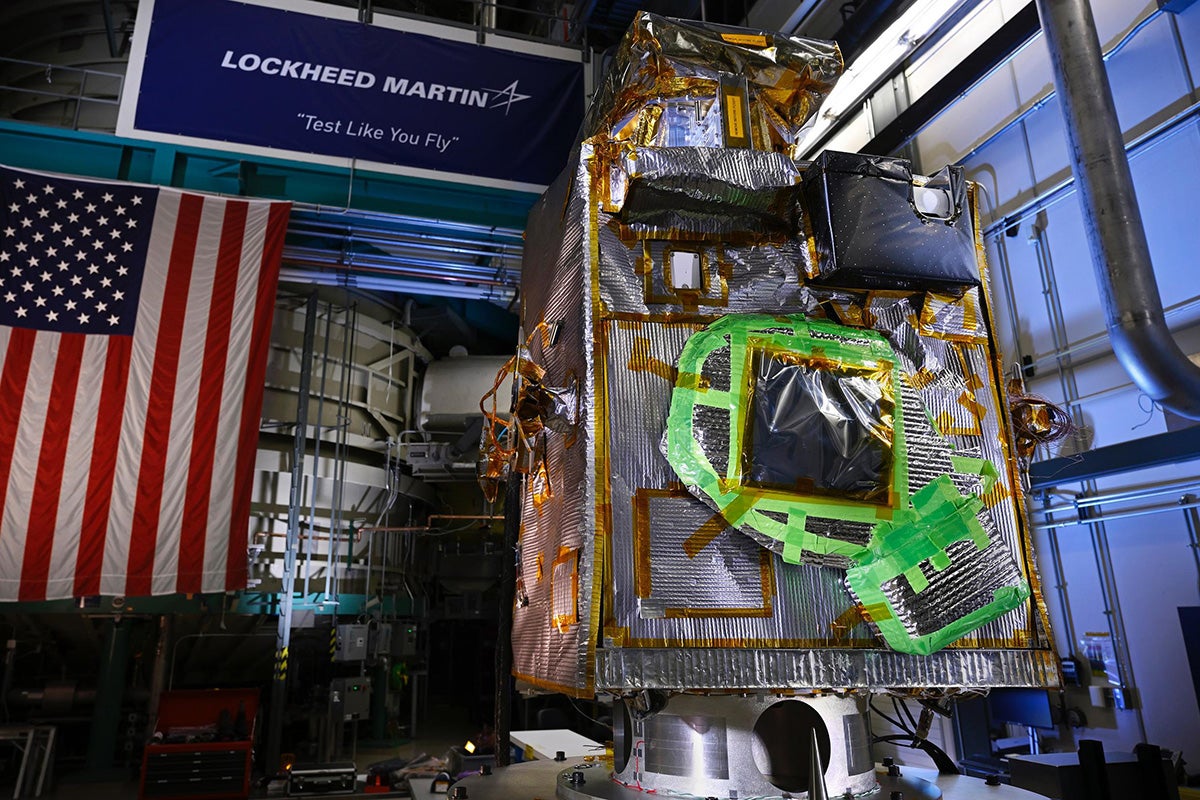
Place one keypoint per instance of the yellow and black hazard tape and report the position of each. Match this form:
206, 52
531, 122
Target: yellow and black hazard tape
333, 642
281, 664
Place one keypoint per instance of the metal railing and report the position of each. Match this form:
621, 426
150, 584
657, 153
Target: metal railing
79, 95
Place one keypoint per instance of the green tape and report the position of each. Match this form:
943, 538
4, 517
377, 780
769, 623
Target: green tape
907, 530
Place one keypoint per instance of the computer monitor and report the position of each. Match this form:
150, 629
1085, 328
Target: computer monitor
1029, 707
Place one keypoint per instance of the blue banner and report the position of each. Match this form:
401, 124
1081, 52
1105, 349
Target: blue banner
242, 73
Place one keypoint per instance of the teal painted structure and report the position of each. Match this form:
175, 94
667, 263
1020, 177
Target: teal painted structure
100, 155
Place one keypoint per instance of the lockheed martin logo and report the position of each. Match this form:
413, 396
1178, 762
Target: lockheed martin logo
506, 97
278, 67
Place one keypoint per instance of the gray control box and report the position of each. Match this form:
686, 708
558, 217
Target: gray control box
351, 643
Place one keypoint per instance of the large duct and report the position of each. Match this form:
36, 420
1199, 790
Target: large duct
1120, 253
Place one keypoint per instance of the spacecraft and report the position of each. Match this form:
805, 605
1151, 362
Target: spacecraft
768, 463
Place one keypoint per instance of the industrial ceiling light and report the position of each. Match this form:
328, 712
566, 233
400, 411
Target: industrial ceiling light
875, 64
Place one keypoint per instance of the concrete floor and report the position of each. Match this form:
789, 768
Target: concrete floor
441, 728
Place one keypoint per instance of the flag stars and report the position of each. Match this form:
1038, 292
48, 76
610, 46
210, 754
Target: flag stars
85, 231
78, 195
56, 228
131, 223
43, 213
33, 261
39, 301
102, 221
93, 269
90, 208
21, 312
22, 247
32, 198
18, 183
84, 319
88, 294
68, 242
72, 218
120, 211
122, 271
39, 236
61, 204
51, 252
9, 297
107, 197
71, 305
118, 296
98, 244
115, 233
106, 282
114, 319
26, 222
76, 280
137, 200
27, 286
3, 256
101, 308
45, 276
11, 231
63, 266
48, 189
126, 247
14, 207
16, 272
80, 255
52, 316
58, 290
109, 258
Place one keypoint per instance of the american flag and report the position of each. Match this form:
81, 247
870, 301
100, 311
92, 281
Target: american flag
134, 325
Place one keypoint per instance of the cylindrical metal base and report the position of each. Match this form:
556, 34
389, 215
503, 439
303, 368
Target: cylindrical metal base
745, 746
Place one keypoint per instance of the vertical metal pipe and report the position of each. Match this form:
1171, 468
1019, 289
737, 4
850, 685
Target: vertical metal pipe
159, 672
1120, 253
1060, 585
514, 492
110, 693
343, 422
1116, 620
316, 470
283, 631
1191, 518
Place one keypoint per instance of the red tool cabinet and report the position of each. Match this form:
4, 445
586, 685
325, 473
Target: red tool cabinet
195, 759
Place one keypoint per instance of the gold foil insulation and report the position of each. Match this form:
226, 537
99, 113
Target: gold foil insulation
681, 83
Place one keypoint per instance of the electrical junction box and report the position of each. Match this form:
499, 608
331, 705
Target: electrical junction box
404, 640
379, 640
351, 643
354, 695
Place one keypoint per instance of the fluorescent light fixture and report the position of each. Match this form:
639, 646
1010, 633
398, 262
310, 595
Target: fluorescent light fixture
875, 63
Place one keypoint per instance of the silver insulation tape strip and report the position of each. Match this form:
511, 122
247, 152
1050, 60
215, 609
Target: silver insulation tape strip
749, 669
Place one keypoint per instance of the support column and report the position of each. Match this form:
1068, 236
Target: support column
283, 633
110, 692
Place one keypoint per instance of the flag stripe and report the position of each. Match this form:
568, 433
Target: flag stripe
207, 418
47, 485
252, 399
216, 554
157, 431
18, 505
60, 580
12, 388
193, 335
101, 475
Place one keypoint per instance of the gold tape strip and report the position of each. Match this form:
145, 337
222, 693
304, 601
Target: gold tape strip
969, 402
846, 621
704, 535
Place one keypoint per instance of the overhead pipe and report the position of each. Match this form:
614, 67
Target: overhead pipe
1133, 307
